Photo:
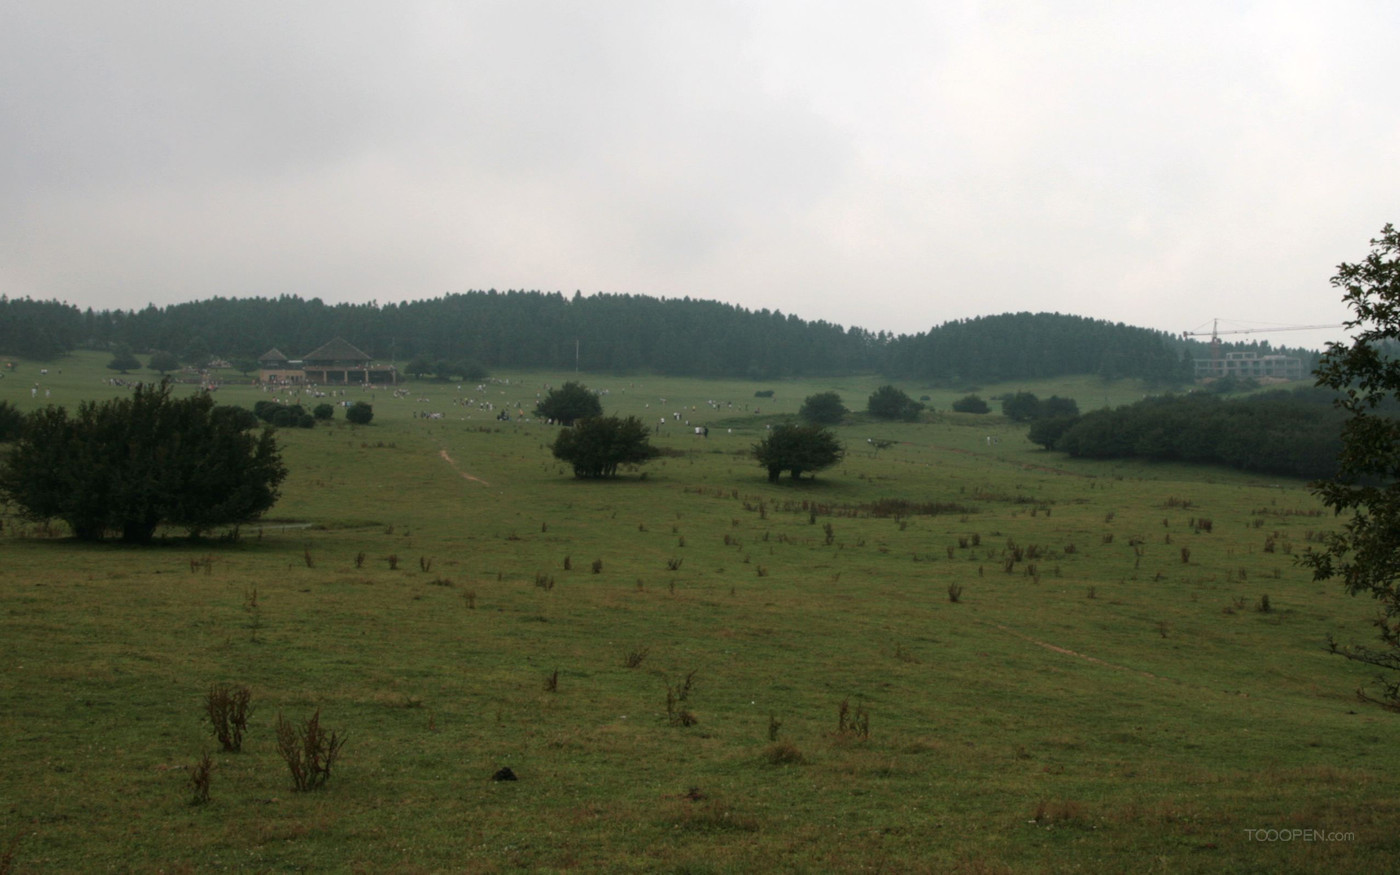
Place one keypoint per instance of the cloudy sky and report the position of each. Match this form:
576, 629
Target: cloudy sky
890, 164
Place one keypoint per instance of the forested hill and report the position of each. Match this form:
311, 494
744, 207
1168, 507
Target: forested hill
1029, 345
607, 333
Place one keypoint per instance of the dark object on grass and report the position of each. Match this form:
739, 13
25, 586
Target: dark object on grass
504, 774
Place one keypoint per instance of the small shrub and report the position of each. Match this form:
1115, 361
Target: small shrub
425, 564
1185, 555
551, 682
955, 592
774, 724
597, 566
309, 751
360, 560
469, 596
228, 709
199, 779
635, 657
1264, 606
393, 562
674, 564
850, 723
676, 715
568, 563
544, 581
783, 753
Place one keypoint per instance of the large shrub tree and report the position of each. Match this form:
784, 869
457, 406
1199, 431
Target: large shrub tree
971, 404
823, 408
164, 362
597, 447
1365, 554
128, 465
798, 449
359, 413
887, 402
123, 360
571, 401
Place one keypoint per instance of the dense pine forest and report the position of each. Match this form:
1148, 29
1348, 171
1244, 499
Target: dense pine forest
613, 334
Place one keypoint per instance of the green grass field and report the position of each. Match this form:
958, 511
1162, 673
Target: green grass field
1104, 695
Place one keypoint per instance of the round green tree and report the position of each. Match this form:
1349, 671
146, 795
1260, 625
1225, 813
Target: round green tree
887, 402
129, 465
359, 413
570, 402
823, 408
596, 447
798, 449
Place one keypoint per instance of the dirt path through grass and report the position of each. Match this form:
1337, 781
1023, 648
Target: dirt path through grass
1067, 652
465, 476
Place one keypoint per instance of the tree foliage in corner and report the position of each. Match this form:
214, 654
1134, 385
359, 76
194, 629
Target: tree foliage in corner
129, 465
571, 401
1365, 554
798, 449
596, 447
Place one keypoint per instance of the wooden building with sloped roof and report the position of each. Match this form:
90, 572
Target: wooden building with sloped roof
338, 363
275, 367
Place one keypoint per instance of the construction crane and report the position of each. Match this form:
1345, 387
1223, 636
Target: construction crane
1215, 333
1274, 366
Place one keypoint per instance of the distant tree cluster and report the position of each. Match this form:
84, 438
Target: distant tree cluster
40, 330
443, 370
971, 404
129, 465
463, 336
283, 415
1026, 407
1016, 346
1289, 433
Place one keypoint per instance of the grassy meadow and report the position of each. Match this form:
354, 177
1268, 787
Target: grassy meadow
693, 670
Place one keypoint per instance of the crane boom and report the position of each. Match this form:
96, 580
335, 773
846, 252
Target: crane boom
1216, 332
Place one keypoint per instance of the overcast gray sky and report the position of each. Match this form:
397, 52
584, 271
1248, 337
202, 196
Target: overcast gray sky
888, 164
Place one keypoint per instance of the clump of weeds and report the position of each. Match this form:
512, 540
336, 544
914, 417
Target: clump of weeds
200, 774
852, 724
308, 750
228, 708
